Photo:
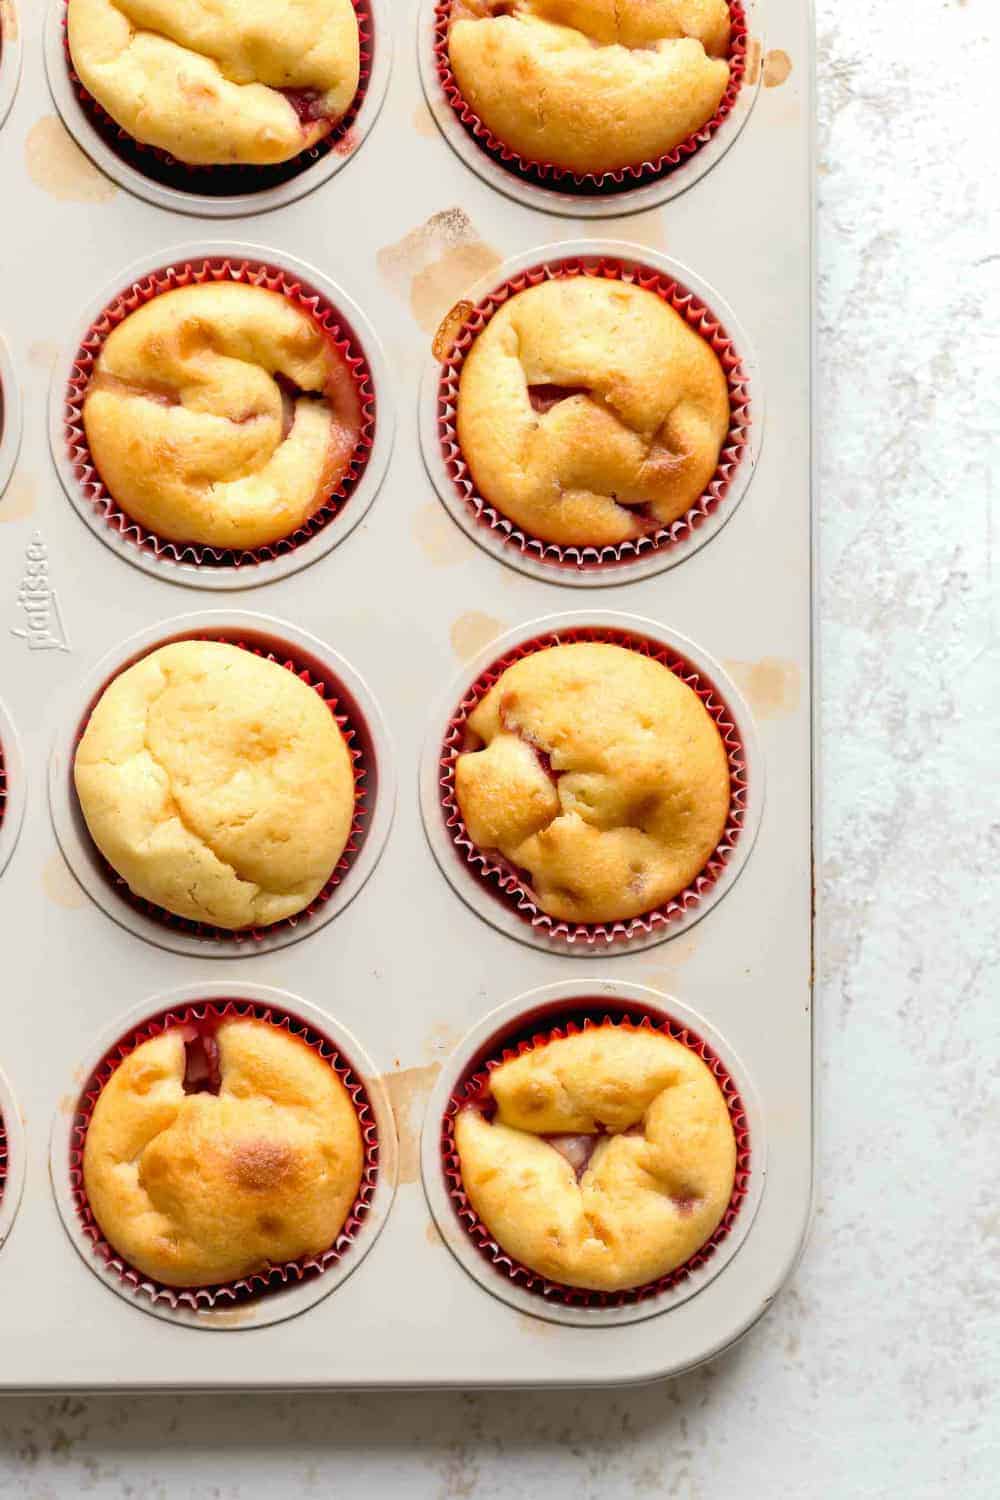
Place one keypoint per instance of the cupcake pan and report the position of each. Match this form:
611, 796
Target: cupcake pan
409, 967
153, 175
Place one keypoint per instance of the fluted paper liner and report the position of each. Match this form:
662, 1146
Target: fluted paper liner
199, 271
240, 178
472, 1088
659, 538
273, 1278
505, 883
360, 745
588, 184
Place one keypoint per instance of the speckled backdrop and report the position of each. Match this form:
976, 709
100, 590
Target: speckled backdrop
872, 1376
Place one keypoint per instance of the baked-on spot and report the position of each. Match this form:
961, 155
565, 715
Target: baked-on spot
432, 265
57, 165
777, 67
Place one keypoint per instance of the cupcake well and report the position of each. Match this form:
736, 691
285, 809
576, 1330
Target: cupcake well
218, 191
531, 1020
543, 184
277, 1291
662, 546
12, 1159
474, 1089
13, 788
192, 562
499, 892
361, 724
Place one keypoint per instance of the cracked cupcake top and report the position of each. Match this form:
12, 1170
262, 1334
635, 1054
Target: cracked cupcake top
210, 1156
216, 82
600, 775
590, 412
217, 784
221, 414
609, 1159
591, 85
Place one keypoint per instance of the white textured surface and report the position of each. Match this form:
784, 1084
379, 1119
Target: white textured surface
872, 1375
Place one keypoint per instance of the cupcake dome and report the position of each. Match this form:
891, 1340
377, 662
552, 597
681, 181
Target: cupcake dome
217, 82
221, 414
591, 85
590, 412
217, 784
600, 774
211, 1157
605, 1159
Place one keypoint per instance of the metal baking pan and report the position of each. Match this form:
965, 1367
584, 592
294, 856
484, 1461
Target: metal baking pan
406, 597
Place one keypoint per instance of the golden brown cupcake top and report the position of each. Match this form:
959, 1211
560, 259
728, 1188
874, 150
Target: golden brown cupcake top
211, 1157
221, 414
590, 412
610, 1159
217, 784
591, 85
600, 774
217, 82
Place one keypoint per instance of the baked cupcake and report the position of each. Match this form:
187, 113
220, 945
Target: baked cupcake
590, 412
221, 414
218, 82
598, 773
603, 1159
211, 1156
591, 86
217, 784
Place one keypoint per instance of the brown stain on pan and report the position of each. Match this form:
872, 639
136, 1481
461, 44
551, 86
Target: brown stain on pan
60, 886
772, 686
20, 500
472, 631
777, 67
441, 1039
42, 354
649, 229
428, 265
423, 122
753, 61
57, 165
8, 21
438, 538
408, 1090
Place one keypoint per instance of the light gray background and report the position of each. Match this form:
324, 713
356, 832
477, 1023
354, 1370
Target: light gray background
872, 1375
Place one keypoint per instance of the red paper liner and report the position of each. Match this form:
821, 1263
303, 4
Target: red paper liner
198, 272
3, 1158
3, 785
589, 184
225, 181
274, 1278
360, 744
660, 538
505, 883
472, 1088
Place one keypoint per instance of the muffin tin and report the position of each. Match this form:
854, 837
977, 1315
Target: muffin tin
425, 972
